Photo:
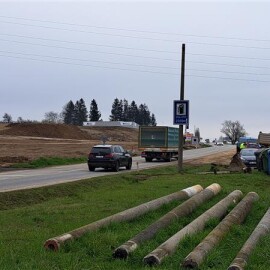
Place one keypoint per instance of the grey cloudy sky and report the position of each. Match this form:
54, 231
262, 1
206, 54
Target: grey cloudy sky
55, 51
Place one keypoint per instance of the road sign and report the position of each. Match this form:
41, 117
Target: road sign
181, 112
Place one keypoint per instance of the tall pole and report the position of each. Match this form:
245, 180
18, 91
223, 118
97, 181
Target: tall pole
181, 137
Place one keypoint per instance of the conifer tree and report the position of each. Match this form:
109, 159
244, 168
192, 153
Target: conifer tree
117, 110
144, 118
153, 120
68, 113
80, 112
125, 116
133, 112
94, 114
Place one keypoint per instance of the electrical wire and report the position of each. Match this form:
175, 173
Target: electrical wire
89, 60
130, 55
131, 48
135, 30
86, 43
85, 50
144, 71
138, 37
137, 65
87, 65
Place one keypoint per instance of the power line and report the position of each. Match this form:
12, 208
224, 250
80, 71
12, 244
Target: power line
85, 50
228, 56
229, 72
125, 69
130, 55
86, 43
89, 60
138, 37
131, 48
87, 65
137, 65
135, 30
222, 64
223, 78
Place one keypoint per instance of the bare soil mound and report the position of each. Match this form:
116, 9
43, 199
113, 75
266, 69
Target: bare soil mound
121, 134
45, 130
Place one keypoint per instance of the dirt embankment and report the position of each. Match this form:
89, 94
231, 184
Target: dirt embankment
22, 142
28, 141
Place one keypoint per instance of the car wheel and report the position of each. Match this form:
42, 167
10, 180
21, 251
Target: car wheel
117, 166
91, 168
128, 167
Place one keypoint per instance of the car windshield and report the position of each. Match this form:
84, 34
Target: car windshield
101, 150
248, 152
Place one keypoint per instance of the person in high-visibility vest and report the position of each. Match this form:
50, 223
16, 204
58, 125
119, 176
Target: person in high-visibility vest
243, 145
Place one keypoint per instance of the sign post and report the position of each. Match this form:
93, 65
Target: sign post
181, 109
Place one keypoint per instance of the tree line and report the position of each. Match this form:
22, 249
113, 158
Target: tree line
77, 113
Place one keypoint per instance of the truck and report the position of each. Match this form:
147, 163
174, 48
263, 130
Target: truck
264, 139
158, 142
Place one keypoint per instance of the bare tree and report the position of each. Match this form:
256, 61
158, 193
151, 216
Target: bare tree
51, 117
233, 130
20, 120
7, 118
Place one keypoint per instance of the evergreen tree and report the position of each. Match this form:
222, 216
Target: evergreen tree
153, 120
80, 113
83, 112
133, 112
117, 110
68, 113
144, 118
125, 116
94, 114
76, 115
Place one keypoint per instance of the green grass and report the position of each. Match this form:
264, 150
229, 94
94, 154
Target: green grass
49, 161
29, 217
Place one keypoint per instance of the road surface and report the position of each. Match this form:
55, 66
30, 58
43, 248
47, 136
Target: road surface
23, 179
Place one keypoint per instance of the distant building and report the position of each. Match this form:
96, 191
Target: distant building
111, 124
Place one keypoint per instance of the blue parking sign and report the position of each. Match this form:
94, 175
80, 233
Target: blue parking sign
181, 112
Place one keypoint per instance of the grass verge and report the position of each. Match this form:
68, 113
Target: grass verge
29, 217
49, 161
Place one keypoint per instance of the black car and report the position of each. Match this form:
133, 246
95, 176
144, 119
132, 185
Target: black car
109, 156
248, 157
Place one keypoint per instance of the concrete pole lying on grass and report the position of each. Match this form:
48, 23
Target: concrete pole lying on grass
129, 214
219, 210
236, 216
182, 210
262, 229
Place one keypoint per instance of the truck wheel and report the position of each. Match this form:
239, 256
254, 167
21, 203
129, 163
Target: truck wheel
147, 159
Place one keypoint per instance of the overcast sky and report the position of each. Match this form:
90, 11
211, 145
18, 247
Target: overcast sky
55, 51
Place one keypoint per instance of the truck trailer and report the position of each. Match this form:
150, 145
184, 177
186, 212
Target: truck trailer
264, 139
159, 142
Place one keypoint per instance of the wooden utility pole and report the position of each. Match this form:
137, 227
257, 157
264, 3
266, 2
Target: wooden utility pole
56, 242
181, 137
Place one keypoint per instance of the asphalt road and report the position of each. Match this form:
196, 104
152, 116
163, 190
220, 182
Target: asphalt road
23, 179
